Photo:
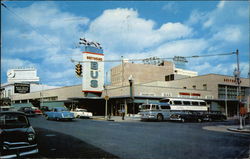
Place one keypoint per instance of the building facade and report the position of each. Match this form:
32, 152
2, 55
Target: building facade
24, 76
143, 83
142, 73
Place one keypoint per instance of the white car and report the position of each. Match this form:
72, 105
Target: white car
81, 113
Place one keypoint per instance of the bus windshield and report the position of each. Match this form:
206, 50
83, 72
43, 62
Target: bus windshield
145, 107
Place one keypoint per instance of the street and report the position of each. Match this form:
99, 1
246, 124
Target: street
106, 139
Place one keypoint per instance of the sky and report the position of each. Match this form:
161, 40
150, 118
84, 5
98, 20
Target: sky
45, 34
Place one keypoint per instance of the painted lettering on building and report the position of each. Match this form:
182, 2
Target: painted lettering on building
93, 72
230, 80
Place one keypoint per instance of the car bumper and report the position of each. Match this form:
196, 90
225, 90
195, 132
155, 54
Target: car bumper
175, 119
148, 117
19, 151
66, 118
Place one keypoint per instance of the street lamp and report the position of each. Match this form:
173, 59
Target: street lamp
131, 86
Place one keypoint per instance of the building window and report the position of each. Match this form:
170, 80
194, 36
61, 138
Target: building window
184, 87
169, 77
194, 87
9, 93
204, 86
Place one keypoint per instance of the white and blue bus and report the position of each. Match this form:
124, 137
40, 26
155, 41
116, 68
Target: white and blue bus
178, 104
155, 111
166, 107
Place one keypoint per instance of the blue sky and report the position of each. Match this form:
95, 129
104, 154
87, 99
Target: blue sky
45, 34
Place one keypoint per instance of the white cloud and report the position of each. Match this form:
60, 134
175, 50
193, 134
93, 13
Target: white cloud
175, 48
196, 17
230, 34
171, 7
207, 66
40, 15
221, 4
7, 63
125, 31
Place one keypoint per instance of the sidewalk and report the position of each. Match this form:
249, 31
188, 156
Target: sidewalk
228, 128
235, 128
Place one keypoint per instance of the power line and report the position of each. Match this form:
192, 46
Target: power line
33, 28
165, 58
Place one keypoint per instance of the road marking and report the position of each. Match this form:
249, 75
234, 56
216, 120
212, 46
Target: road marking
115, 124
50, 135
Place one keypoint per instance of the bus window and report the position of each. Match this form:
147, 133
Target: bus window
186, 103
195, 103
153, 107
203, 103
157, 107
165, 107
177, 102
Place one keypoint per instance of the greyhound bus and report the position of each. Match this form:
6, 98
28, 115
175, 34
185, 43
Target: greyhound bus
166, 107
179, 104
155, 111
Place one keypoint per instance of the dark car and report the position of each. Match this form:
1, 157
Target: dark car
27, 110
44, 109
17, 137
186, 116
214, 116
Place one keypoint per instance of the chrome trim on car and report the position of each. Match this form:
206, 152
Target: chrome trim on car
21, 154
22, 147
15, 143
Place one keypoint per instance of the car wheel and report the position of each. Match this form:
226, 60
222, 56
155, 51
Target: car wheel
159, 117
182, 120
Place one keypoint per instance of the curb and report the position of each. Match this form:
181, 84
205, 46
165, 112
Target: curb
239, 130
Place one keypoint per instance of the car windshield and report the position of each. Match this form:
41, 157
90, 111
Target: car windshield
60, 109
82, 110
13, 121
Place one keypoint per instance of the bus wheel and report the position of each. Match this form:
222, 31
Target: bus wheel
159, 117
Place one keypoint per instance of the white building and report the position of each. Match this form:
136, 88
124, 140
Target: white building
22, 75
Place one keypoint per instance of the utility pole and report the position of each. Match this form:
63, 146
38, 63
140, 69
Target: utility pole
237, 79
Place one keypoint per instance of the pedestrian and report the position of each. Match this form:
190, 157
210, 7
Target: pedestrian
123, 113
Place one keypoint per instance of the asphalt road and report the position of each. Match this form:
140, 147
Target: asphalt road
137, 140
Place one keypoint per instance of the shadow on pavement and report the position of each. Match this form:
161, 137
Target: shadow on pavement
58, 145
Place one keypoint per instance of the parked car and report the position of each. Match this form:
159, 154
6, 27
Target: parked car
6, 108
37, 111
59, 113
214, 116
17, 137
44, 109
27, 110
81, 113
186, 116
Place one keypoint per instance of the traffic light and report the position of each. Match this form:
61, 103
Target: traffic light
78, 69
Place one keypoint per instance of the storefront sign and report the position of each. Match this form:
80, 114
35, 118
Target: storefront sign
21, 88
230, 80
93, 72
